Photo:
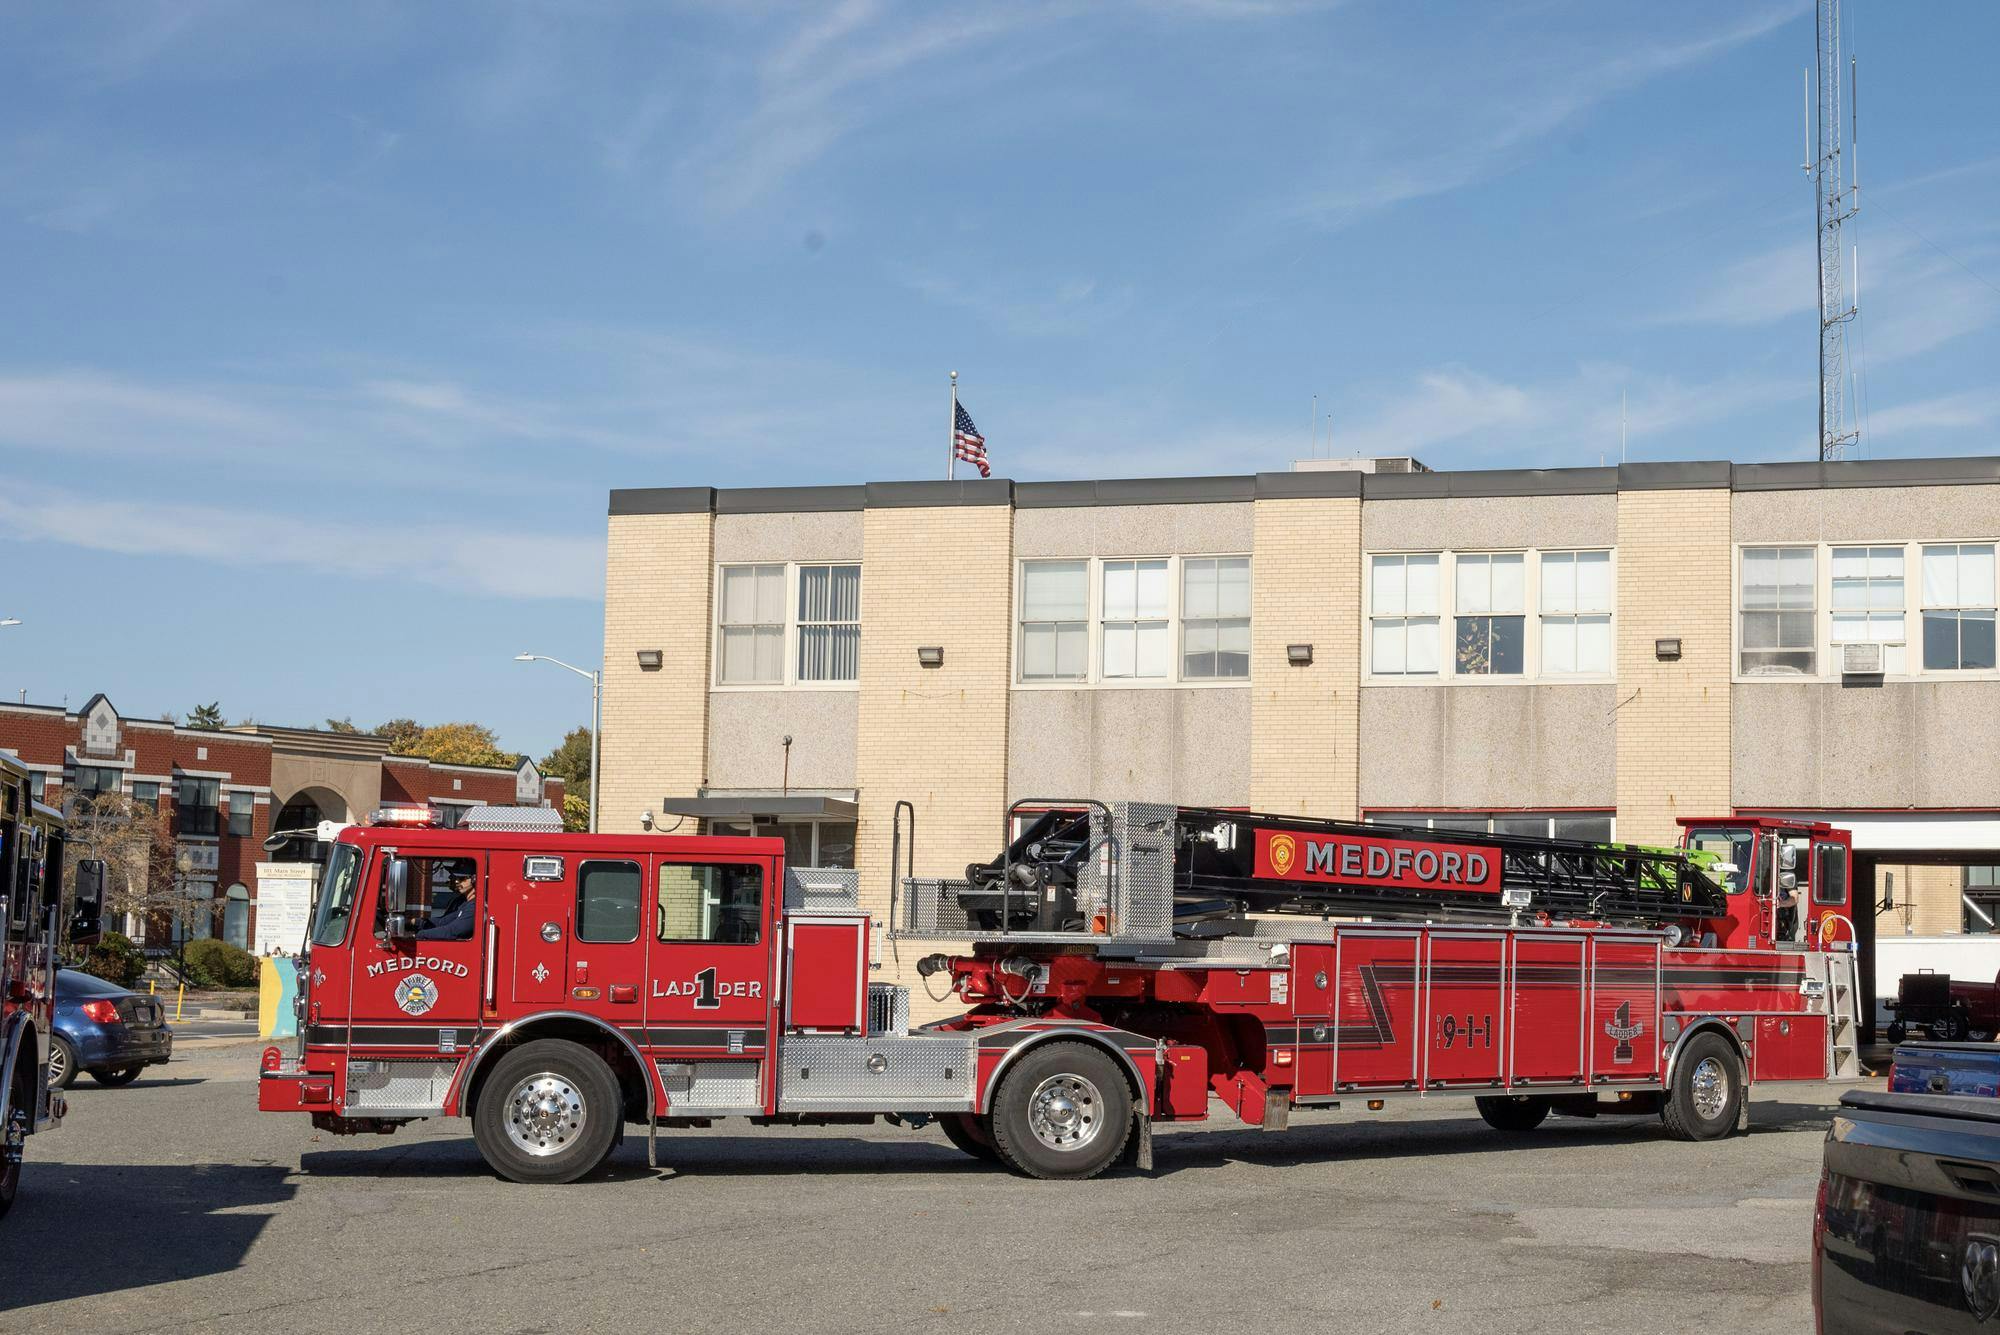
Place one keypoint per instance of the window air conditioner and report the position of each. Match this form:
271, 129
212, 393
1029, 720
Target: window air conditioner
1861, 659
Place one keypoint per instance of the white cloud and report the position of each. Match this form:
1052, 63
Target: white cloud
1967, 410
462, 558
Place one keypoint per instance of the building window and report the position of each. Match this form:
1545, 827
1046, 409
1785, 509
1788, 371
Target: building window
1215, 617
808, 843
1868, 600
1490, 602
1592, 827
1576, 614
146, 794
1981, 900
1958, 607
1778, 623
1055, 627
1403, 615
91, 780
1135, 620
38, 785
753, 625
829, 623
240, 808
195, 805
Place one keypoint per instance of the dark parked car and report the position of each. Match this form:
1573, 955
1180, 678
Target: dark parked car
110, 1031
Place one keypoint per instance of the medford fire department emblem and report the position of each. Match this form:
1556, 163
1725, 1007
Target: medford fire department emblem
1620, 1027
1284, 852
416, 994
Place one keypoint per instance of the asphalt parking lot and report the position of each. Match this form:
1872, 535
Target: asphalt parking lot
173, 1205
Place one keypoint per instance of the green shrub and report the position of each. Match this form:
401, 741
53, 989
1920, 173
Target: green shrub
212, 963
114, 958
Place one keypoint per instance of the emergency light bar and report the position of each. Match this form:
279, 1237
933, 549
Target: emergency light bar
408, 814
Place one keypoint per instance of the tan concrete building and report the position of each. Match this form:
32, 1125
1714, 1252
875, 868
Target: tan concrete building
1587, 652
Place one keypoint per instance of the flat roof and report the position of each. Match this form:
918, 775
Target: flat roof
1970, 470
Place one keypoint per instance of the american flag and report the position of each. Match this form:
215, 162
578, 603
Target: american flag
967, 444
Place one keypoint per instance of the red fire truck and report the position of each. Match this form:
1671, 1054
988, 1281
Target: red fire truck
1118, 966
34, 923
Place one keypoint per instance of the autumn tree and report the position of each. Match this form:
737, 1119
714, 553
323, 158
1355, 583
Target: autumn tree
462, 744
402, 734
344, 726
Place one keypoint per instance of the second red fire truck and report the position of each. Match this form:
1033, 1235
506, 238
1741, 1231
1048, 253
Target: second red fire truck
1118, 966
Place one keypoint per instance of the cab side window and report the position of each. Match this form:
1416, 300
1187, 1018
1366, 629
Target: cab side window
720, 902
1830, 875
607, 901
444, 890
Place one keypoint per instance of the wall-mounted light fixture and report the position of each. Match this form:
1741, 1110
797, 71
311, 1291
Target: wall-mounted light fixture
1299, 655
1667, 651
930, 655
649, 660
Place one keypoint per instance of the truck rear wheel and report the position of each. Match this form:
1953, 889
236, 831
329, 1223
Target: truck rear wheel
13, 1139
969, 1131
1063, 1112
1513, 1113
549, 1112
1707, 1094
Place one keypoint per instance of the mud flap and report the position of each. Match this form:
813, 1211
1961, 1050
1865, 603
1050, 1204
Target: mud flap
1139, 1145
1743, 1104
1277, 1109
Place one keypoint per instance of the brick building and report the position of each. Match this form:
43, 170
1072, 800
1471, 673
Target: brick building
1586, 652
226, 790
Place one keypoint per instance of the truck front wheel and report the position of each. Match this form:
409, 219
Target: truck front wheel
1063, 1112
1707, 1093
13, 1139
549, 1112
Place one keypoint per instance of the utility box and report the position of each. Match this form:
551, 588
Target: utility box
826, 973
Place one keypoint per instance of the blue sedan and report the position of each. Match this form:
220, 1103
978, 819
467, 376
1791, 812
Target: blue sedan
110, 1031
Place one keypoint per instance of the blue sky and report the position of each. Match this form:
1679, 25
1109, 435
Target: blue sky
329, 327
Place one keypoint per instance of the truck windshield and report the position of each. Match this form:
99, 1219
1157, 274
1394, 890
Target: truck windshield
1734, 847
336, 895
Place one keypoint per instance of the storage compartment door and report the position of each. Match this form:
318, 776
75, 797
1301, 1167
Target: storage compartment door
826, 974
1789, 1047
1312, 1010
1545, 1035
1465, 1040
1624, 1011
1375, 1012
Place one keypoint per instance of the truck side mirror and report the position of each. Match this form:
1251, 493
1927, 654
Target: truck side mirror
1788, 857
396, 924
86, 918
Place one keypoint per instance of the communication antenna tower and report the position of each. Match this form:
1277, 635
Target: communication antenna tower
1836, 180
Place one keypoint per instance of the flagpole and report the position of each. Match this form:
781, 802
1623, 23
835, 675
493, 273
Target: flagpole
951, 434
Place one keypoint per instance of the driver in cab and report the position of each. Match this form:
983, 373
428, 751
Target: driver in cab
453, 911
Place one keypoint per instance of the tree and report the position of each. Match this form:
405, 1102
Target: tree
207, 717
461, 744
342, 725
402, 734
570, 761
575, 811
143, 876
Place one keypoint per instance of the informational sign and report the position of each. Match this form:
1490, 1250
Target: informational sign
284, 901
1354, 859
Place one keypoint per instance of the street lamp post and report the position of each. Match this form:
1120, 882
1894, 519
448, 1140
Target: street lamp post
596, 680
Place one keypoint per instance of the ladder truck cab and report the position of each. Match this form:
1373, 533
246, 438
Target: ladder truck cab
36, 921
1113, 967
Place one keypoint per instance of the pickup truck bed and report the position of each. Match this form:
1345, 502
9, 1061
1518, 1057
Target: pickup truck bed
1907, 1235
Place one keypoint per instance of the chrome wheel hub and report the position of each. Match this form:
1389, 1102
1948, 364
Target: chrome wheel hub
1709, 1085
1065, 1112
545, 1113
58, 1065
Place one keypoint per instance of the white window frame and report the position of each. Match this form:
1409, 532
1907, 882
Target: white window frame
796, 625
1826, 646
1961, 607
1185, 622
1532, 670
1899, 647
1446, 572
1429, 819
1093, 677
1541, 617
1818, 612
788, 679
